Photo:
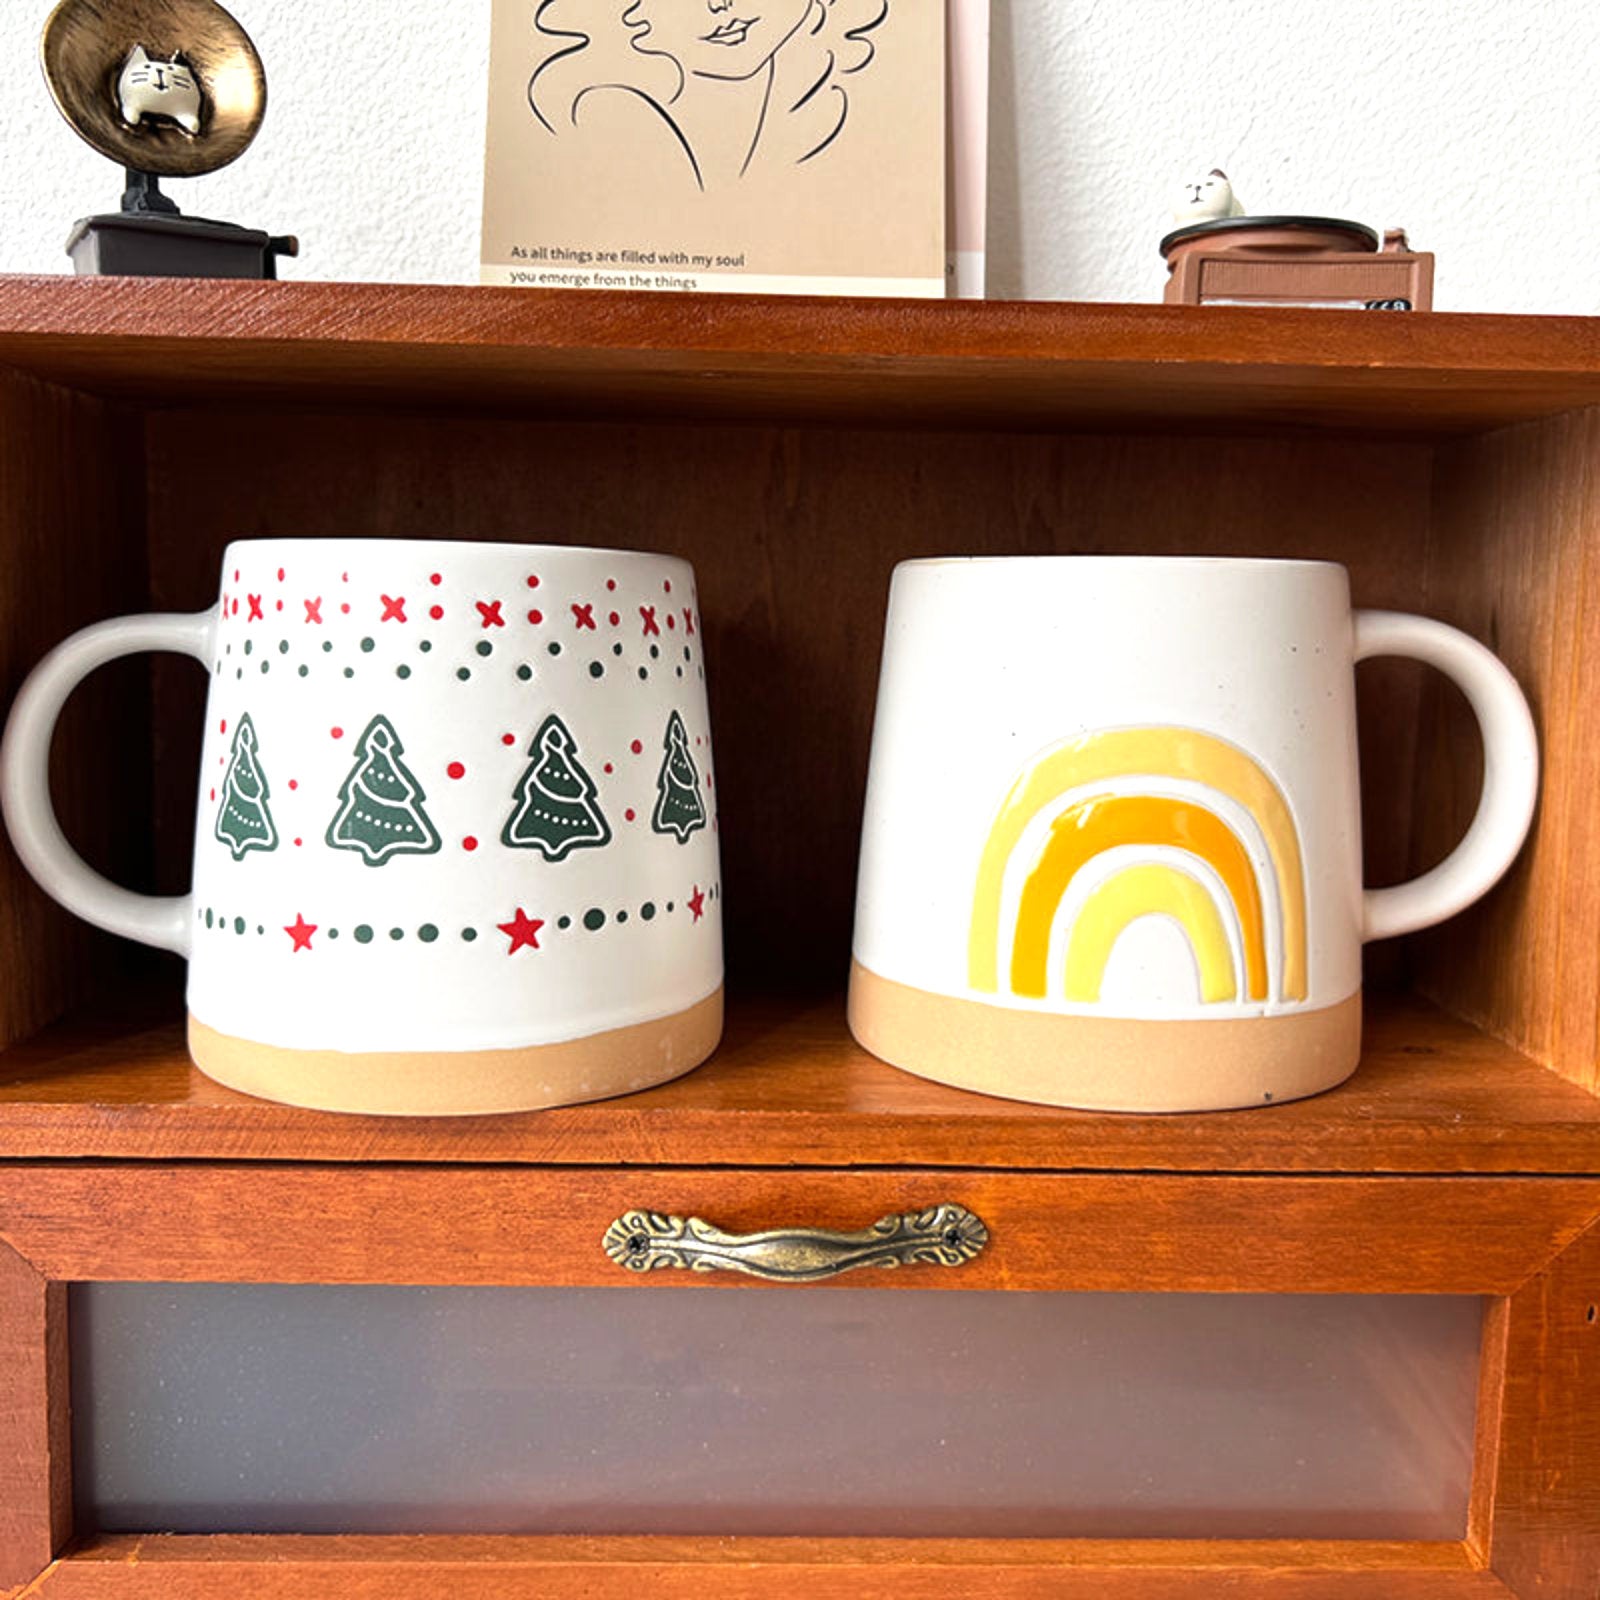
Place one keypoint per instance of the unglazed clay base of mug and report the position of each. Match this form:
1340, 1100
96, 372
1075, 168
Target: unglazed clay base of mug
457, 1083
1105, 1063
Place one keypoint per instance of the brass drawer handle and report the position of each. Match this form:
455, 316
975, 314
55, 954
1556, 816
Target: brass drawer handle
942, 1236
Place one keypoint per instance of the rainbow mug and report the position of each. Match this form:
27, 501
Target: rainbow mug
1112, 856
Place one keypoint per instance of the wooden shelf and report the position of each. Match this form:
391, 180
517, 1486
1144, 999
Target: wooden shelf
1023, 366
789, 1087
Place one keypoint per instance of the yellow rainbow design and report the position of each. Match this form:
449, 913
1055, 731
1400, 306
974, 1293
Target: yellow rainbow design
1153, 889
1088, 828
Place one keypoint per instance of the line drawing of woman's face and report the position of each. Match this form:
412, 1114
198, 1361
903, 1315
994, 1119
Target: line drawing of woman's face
728, 39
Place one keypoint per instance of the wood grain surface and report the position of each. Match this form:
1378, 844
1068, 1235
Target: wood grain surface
789, 1087
35, 1442
419, 1225
71, 519
1544, 1539
991, 363
1514, 557
290, 1568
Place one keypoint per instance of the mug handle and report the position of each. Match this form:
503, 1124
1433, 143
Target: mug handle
25, 777
1510, 772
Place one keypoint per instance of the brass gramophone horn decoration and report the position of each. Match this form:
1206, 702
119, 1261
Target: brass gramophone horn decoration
168, 89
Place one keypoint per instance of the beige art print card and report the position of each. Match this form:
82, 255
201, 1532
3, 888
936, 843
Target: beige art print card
733, 145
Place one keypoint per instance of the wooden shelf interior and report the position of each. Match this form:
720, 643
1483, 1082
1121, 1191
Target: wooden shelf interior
789, 1087
1038, 366
1447, 461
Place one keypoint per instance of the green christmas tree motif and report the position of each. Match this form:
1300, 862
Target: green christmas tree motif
556, 809
243, 820
380, 803
678, 806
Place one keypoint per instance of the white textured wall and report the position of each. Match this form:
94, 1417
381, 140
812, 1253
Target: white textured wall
1476, 124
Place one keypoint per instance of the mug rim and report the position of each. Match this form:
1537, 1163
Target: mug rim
311, 542
1235, 563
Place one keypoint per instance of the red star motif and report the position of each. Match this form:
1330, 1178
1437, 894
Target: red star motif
583, 617
688, 620
697, 902
255, 609
314, 609
490, 612
393, 610
648, 614
521, 930
301, 933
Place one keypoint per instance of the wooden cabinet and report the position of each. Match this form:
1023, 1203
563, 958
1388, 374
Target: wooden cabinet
794, 451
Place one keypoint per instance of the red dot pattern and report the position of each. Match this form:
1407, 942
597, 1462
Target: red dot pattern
436, 578
508, 738
294, 783
435, 612
536, 617
456, 770
338, 733
469, 843
533, 580
636, 747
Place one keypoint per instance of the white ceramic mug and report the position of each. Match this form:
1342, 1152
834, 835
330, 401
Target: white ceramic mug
1112, 852
456, 845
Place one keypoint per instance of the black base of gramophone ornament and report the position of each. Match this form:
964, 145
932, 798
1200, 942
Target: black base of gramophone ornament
168, 89
151, 238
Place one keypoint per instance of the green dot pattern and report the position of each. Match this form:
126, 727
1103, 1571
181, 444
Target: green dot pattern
594, 919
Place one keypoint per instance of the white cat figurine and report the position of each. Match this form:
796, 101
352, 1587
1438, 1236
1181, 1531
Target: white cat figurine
152, 88
1206, 199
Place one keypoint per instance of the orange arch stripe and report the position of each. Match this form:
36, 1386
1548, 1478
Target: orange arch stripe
1149, 753
1092, 827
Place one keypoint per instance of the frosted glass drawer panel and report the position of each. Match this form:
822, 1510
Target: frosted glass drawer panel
271, 1408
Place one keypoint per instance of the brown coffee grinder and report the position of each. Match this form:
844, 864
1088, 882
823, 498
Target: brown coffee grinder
1219, 256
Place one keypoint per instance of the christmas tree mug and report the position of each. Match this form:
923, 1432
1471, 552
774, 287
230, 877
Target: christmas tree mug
1112, 853
456, 844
